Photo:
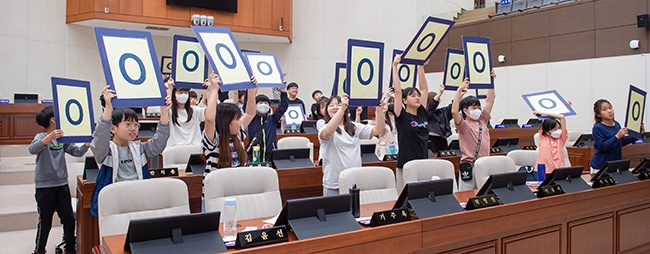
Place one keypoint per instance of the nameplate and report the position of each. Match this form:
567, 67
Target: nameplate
644, 175
47, 101
389, 217
496, 150
153, 115
527, 126
296, 131
533, 147
262, 164
500, 126
262, 237
390, 157
447, 153
604, 181
549, 190
481, 202
163, 172
4, 101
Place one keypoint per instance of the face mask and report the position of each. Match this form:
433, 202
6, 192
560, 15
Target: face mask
182, 98
556, 134
263, 108
475, 113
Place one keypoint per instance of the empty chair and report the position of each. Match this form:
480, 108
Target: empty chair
123, 201
485, 166
177, 156
573, 136
375, 184
503, 9
534, 4
256, 190
518, 5
297, 142
74, 169
425, 170
523, 158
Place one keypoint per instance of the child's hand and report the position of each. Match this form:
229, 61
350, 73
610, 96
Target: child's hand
215, 80
254, 80
168, 103
108, 95
426, 63
621, 133
493, 74
284, 79
360, 110
398, 58
345, 101
55, 134
442, 89
642, 128
464, 86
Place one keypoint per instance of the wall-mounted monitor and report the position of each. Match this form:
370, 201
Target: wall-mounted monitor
216, 5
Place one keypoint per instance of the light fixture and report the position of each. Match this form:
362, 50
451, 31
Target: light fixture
634, 44
501, 58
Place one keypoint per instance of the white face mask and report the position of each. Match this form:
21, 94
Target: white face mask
263, 108
556, 134
182, 98
475, 113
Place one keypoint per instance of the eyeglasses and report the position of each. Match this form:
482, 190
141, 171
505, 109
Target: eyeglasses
133, 126
333, 105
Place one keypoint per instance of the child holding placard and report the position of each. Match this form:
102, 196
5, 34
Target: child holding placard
552, 138
473, 134
439, 127
124, 158
185, 128
411, 120
609, 137
223, 135
339, 140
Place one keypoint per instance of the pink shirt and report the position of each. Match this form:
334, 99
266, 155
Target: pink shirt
551, 151
468, 137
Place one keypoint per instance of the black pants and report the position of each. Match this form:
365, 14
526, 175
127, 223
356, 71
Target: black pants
437, 143
49, 200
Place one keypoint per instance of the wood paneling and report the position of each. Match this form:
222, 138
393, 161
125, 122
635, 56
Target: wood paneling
529, 26
572, 19
178, 13
154, 8
245, 13
573, 46
131, 7
615, 13
484, 248
634, 228
592, 235
72, 7
531, 51
18, 122
543, 241
281, 15
498, 30
501, 49
263, 14
616, 41
456, 33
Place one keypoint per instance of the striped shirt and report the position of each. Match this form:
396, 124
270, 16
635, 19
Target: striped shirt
211, 151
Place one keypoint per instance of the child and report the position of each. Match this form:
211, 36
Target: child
552, 138
390, 131
609, 137
51, 180
241, 99
124, 158
186, 119
292, 91
473, 134
223, 136
316, 95
263, 124
194, 98
410, 120
439, 127
339, 141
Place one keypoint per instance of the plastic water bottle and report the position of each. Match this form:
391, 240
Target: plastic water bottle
392, 148
293, 126
541, 172
229, 217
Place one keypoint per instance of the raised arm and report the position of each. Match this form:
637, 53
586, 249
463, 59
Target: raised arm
455, 105
211, 108
559, 117
380, 127
397, 108
250, 105
333, 124
423, 85
489, 101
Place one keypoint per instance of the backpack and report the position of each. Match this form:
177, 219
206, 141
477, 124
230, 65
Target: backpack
531, 174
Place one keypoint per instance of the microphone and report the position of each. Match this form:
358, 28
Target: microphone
253, 142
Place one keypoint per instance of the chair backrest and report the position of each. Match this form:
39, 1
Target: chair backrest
177, 156
74, 169
453, 136
372, 141
485, 166
122, 201
523, 158
256, 190
518, 5
573, 136
534, 4
375, 184
297, 142
425, 170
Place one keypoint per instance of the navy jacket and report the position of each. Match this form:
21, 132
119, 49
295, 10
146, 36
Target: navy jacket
267, 125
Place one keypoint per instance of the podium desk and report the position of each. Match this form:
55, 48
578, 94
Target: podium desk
582, 155
606, 220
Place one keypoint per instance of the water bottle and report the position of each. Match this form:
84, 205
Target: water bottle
392, 148
541, 172
229, 218
354, 201
293, 126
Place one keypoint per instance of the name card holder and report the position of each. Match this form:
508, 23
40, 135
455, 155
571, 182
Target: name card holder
296, 131
526, 126
533, 147
262, 164
550, 190
163, 172
447, 153
390, 157
4, 101
481, 202
260, 237
644, 175
389, 217
496, 150
603, 182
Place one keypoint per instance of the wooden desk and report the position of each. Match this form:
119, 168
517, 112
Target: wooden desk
87, 225
606, 220
525, 135
18, 124
582, 155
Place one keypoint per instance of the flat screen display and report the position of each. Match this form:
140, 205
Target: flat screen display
217, 5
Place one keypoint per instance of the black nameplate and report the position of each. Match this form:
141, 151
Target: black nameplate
481, 202
447, 153
604, 181
296, 131
533, 147
389, 217
163, 172
644, 175
390, 157
262, 164
496, 150
549, 190
262, 237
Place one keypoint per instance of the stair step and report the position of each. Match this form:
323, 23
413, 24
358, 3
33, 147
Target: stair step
22, 241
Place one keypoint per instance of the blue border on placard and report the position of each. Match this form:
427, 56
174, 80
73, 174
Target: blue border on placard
480, 96
634, 133
194, 85
444, 73
277, 65
76, 83
337, 76
100, 32
212, 29
162, 64
566, 104
429, 19
366, 44
482, 40
415, 72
